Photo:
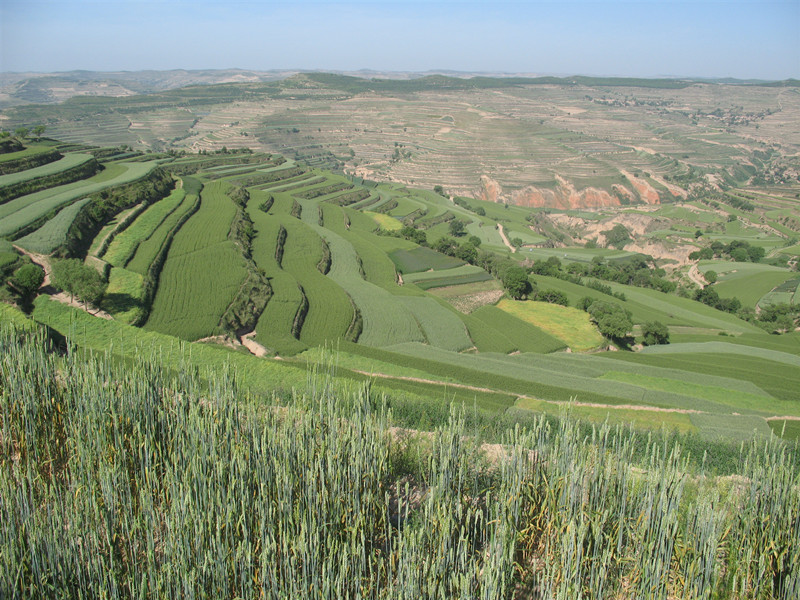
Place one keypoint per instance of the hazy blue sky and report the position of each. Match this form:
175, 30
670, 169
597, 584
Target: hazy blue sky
747, 39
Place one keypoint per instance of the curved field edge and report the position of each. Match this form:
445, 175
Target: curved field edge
202, 272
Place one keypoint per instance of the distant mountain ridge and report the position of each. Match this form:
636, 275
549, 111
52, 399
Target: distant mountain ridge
51, 88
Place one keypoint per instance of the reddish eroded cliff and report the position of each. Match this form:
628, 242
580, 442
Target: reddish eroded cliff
646, 191
564, 196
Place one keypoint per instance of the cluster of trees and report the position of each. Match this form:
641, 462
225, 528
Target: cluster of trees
226, 150
778, 318
736, 250
617, 236
463, 203
615, 323
708, 296
23, 132
466, 250
79, 280
741, 203
637, 271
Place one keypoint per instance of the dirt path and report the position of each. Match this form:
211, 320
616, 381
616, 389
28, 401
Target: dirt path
696, 277
38, 259
65, 299
253, 346
505, 239
46, 287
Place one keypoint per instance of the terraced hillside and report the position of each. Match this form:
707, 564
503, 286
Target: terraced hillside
562, 143
273, 257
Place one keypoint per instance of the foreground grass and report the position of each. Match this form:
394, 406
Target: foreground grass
128, 482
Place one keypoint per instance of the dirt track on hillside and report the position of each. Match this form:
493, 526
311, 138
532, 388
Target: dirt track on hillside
505, 239
62, 297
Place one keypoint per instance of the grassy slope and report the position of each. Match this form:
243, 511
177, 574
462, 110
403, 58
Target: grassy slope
569, 325
202, 273
124, 245
26, 209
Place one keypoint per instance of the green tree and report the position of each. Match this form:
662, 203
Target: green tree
612, 320
655, 332
740, 254
457, 228
467, 252
79, 281
710, 276
445, 245
553, 297
21, 132
27, 279
515, 281
439, 190
755, 253
615, 326
474, 240
39, 130
617, 236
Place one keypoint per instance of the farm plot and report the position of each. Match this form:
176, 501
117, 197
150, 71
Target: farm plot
202, 273
786, 292
386, 319
674, 310
570, 325
582, 255
776, 377
274, 326
372, 249
31, 157
254, 374
787, 429
727, 396
123, 297
748, 282
467, 297
641, 418
67, 162
124, 245
386, 222
54, 232
442, 327
487, 232
26, 210
494, 330
503, 373
141, 254
473, 275
102, 240
330, 311
423, 259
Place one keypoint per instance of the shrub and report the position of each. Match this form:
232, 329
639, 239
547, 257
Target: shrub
655, 333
